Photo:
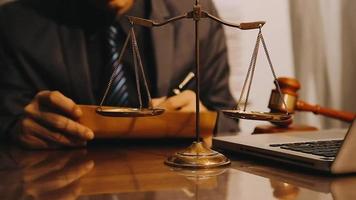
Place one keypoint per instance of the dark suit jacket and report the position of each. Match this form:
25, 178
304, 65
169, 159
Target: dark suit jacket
42, 49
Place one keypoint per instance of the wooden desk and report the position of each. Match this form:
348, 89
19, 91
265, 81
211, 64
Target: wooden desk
122, 171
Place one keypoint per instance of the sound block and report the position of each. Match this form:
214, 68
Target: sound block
275, 129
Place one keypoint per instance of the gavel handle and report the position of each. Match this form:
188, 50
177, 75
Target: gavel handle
316, 109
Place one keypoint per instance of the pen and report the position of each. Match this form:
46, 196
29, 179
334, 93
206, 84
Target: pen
183, 84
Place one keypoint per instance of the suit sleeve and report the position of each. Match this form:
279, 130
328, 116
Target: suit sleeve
14, 90
216, 88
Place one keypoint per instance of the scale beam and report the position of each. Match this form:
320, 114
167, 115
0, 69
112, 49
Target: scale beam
150, 23
190, 15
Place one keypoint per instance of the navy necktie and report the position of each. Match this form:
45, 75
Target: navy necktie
118, 95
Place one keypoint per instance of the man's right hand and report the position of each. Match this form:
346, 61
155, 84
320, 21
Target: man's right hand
50, 122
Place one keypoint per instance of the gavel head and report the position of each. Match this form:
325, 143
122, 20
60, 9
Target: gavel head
289, 88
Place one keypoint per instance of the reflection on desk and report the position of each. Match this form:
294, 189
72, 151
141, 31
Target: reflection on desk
137, 172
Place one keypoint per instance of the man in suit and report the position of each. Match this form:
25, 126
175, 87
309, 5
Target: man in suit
53, 56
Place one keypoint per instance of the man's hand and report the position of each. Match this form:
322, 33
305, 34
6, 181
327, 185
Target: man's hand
121, 6
118, 6
50, 122
184, 101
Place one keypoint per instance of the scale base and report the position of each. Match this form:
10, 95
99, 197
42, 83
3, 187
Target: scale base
197, 156
198, 175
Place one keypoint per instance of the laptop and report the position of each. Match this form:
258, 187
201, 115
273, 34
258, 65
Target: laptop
332, 151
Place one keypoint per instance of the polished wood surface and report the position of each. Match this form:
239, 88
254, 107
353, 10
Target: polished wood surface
126, 170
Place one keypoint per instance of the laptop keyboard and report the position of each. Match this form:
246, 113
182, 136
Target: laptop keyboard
319, 148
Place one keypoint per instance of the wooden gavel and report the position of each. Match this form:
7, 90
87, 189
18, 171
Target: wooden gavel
289, 88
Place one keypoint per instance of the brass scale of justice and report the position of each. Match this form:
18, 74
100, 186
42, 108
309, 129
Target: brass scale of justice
196, 156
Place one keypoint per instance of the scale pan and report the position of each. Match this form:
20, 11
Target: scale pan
253, 115
128, 112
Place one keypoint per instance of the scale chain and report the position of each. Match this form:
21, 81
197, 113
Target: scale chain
253, 69
138, 56
137, 61
274, 73
253, 58
112, 77
133, 44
